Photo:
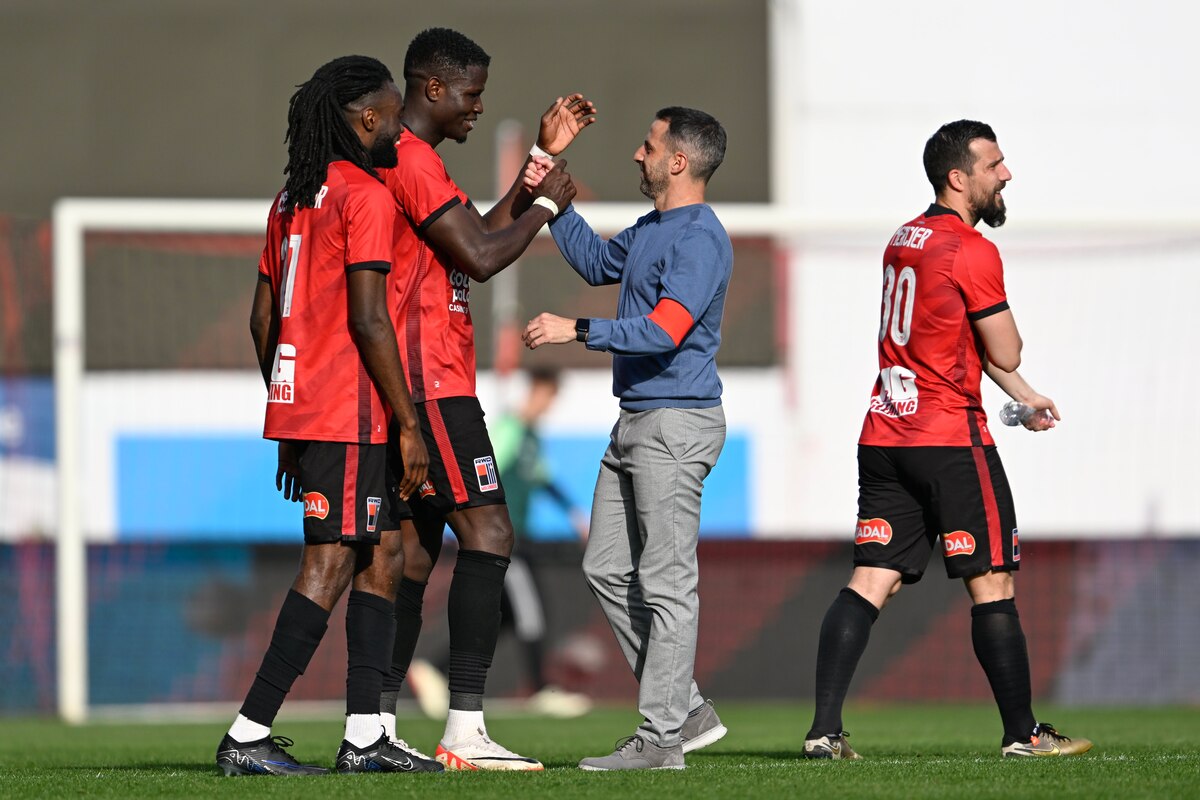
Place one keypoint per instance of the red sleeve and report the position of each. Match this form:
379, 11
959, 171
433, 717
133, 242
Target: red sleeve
370, 214
421, 185
268, 262
981, 276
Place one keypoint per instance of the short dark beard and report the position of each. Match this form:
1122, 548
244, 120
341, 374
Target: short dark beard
649, 187
383, 153
993, 213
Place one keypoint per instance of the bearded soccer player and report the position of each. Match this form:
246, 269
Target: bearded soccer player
927, 465
328, 354
443, 243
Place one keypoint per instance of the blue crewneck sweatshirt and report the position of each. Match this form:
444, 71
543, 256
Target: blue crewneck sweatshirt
683, 254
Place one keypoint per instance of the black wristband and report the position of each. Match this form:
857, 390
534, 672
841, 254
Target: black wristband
582, 326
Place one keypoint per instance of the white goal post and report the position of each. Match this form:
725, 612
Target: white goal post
800, 417
73, 219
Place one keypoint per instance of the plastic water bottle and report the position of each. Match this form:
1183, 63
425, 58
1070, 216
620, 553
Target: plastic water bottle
1014, 413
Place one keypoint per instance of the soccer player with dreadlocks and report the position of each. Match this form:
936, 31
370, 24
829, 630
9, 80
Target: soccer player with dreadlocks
328, 354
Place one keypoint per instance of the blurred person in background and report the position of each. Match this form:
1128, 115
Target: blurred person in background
327, 350
928, 467
674, 266
443, 243
524, 474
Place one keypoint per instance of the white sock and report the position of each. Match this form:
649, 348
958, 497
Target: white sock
363, 729
244, 730
389, 724
462, 725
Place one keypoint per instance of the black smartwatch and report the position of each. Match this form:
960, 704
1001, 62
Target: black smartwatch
582, 326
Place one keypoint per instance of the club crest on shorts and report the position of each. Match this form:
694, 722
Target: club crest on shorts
485, 471
316, 505
958, 543
1016, 546
373, 504
874, 530
427, 489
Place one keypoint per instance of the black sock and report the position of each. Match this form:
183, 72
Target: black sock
370, 631
410, 597
298, 631
474, 611
844, 635
1000, 647
534, 655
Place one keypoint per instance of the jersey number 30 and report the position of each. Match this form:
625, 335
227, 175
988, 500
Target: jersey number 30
899, 297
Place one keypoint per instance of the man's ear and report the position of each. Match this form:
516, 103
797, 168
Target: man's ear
957, 180
369, 118
434, 88
679, 163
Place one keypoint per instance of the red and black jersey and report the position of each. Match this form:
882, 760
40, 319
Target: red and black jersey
431, 297
320, 389
939, 275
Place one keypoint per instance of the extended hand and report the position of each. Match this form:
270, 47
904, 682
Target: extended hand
557, 185
563, 121
1040, 421
287, 474
415, 458
548, 329
535, 170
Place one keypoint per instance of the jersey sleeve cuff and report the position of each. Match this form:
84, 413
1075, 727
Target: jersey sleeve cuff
437, 213
975, 316
264, 277
378, 266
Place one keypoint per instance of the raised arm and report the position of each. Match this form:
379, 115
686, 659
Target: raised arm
559, 126
461, 233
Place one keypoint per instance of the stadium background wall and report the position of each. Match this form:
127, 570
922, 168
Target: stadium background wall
825, 105
1109, 623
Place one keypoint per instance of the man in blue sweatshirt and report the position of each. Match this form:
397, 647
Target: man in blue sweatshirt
674, 266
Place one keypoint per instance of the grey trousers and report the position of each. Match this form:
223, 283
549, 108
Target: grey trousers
641, 553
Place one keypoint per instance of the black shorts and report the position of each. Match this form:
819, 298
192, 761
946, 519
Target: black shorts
910, 497
351, 492
462, 466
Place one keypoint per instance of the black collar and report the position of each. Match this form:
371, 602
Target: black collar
935, 210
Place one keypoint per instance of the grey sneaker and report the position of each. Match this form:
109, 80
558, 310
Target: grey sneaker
833, 745
635, 752
701, 728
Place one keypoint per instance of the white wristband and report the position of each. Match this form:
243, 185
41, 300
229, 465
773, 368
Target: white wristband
537, 151
547, 203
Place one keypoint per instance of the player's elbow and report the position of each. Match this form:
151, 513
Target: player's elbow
1006, 361
369, 328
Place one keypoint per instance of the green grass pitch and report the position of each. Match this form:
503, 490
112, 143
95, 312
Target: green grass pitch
945, 751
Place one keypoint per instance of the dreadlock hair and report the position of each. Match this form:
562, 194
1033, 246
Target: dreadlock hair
437, 51
318, 132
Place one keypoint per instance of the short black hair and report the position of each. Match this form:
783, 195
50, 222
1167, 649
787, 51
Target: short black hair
437, 51
950, 148
318, 132
699, 135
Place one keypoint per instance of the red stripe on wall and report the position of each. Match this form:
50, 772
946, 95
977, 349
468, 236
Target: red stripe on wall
446, 451
990, 508
350, 492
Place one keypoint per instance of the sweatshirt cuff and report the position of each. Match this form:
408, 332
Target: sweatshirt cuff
599, 334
